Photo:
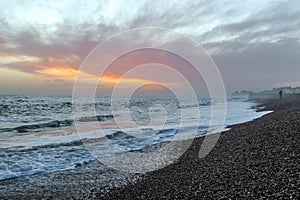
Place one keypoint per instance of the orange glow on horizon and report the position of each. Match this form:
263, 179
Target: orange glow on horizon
109, 81
60, 68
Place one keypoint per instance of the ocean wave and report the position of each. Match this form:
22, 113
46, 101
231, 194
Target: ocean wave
163, 131
28, 127
119, 135
96, 118
54, 123
40, 159
73, 143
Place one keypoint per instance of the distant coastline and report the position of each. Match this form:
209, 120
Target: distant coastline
266, 94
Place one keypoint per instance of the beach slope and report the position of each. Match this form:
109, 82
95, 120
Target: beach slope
256, 159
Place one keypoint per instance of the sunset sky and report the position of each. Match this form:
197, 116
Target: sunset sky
255, 44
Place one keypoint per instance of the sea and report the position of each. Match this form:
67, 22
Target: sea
41, 134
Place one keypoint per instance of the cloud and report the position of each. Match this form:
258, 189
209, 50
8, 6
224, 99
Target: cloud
270, 25
251, 38
261, 65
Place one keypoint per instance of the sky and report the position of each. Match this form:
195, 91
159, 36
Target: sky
255, 44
